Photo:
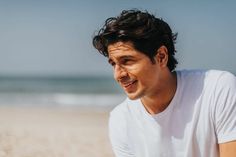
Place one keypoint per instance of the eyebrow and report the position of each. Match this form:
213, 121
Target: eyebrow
122, 57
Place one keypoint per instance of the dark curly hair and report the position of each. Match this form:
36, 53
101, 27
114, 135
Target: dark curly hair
146, 32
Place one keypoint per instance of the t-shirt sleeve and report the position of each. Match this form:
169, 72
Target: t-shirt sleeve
118, 135
225, 115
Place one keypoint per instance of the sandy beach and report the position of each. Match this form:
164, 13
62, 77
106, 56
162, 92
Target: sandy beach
54, 132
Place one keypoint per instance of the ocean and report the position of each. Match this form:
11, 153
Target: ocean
60, 91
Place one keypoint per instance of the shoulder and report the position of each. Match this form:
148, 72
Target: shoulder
191, 81
208, 76
207, 82
119, 113
221, 79
120, 109
186, 72
220, 89
219, 74
122, 112
191, 75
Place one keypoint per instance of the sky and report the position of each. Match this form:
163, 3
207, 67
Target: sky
54, 37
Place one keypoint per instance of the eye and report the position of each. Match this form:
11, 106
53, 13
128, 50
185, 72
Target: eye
126, 61
112, 63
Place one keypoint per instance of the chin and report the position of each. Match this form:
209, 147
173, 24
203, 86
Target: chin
133, 96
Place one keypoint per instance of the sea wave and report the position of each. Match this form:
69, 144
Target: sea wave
60, 99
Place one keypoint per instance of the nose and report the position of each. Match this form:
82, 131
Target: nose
119, 72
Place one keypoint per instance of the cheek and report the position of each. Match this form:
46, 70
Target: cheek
137, 68
144, 71
132, 68
149, 75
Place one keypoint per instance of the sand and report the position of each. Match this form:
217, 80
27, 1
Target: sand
54, 132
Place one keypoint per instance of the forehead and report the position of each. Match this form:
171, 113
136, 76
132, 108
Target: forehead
120, 46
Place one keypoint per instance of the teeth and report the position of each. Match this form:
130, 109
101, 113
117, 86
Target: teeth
129, 83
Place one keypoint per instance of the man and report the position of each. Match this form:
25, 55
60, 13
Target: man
167, 113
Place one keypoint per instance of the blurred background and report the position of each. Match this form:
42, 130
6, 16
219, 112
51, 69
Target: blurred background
56, 90
47, 56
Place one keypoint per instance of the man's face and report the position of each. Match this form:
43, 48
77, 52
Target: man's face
133, 70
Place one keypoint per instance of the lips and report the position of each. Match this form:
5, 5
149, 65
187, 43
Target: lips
128, 84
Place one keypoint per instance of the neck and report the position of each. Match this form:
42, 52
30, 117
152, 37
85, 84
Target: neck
161, 99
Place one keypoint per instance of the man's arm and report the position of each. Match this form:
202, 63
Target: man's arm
224, 115
228, 149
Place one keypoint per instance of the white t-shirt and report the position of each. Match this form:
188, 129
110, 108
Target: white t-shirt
201, 115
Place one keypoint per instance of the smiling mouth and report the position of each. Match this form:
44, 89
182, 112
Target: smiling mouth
128, 84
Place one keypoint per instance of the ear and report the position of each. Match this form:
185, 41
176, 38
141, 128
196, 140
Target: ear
162, 56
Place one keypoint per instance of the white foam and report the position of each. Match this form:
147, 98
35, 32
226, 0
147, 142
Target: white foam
60, 99
88, 99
